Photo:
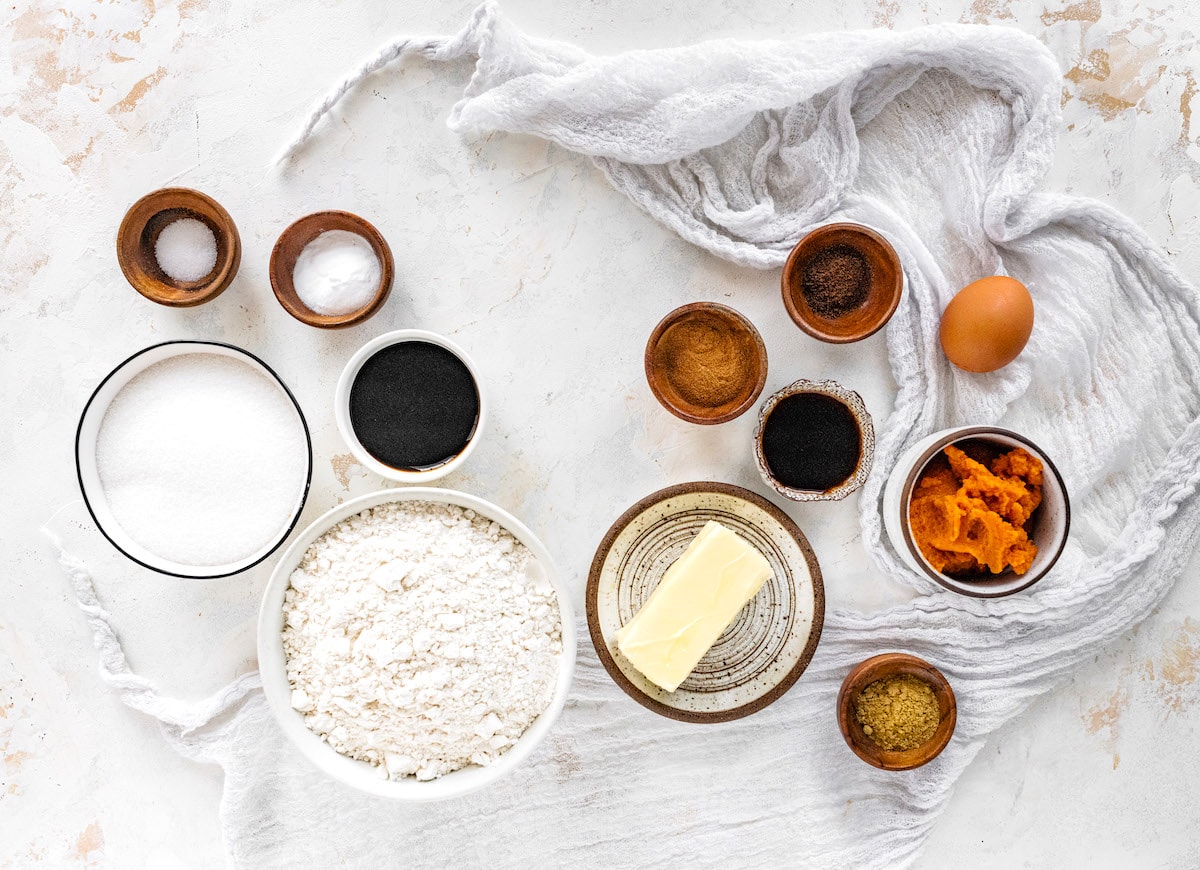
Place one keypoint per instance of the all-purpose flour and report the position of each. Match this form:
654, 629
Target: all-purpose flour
420, 637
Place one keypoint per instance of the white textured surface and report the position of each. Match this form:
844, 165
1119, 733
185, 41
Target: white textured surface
524, 231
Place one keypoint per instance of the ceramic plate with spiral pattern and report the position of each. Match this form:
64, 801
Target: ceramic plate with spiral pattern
769, 643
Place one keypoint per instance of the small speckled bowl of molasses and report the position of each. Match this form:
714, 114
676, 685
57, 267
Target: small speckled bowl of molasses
706, 363
842, 283
815, 441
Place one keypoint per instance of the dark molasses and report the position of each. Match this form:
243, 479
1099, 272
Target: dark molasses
811, 442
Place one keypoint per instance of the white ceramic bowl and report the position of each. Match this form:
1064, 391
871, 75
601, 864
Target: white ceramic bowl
1051, 521
89, 477
272, 662
341, 406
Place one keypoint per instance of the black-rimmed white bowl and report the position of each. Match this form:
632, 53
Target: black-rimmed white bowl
1050, 524
89, 478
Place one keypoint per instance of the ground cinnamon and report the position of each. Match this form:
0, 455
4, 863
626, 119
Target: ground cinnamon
707, 360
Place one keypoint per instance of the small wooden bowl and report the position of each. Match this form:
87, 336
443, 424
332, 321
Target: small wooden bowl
887, 283
292, 241
673, 395
880, 667
138, 235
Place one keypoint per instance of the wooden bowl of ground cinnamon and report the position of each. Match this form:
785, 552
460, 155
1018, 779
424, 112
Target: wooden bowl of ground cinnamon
706, 363
896, 711
842, 283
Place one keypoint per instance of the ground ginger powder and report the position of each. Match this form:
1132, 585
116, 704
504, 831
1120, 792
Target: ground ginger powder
898, 713
969, 518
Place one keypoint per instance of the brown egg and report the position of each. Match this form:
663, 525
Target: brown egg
987, 324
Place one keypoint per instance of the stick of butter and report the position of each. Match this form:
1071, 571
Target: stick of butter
696, 599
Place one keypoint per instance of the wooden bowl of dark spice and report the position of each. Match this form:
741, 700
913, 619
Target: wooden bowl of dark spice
842, 283
896, 711
815, 441
706, 363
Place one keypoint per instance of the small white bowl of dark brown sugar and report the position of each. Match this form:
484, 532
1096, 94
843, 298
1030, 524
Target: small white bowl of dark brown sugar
842, 283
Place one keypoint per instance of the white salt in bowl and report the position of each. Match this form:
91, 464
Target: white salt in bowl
89, 477
1050, 523
272, 661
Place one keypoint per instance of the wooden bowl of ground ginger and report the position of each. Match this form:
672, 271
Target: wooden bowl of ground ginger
896, 711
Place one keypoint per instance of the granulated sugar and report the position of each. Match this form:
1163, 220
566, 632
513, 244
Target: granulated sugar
420, 637
203, 459
186, 250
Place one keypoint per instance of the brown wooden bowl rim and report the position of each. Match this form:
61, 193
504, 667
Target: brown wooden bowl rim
130, 231
292, 303
592, 591
814, 237
879, 667
734, 317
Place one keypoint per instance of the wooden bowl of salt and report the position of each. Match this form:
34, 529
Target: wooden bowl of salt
178, 247
331, 269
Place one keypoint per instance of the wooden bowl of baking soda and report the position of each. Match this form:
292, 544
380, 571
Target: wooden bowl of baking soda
706, 363
331, 269
178, 247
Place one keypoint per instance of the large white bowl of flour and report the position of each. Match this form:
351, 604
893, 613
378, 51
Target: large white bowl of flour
364, 654
194, 459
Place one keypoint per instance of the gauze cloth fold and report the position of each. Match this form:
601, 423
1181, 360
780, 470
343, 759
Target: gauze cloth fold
939, 138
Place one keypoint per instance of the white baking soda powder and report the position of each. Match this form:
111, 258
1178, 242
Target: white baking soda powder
203, 459
336, 273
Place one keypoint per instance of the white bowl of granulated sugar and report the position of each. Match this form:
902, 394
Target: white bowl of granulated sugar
416, 643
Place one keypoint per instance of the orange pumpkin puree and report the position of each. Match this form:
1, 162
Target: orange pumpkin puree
966, 516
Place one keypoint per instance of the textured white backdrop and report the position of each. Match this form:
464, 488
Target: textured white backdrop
202, 95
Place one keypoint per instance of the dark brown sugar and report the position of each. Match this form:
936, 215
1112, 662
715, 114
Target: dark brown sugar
836, 281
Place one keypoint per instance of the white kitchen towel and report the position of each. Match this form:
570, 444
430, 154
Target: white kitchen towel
940, 138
